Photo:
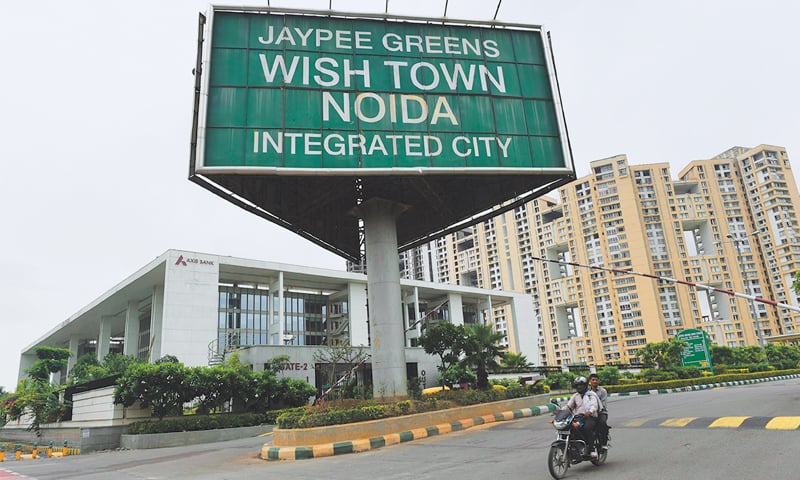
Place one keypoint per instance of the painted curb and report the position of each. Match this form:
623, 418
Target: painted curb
355, 446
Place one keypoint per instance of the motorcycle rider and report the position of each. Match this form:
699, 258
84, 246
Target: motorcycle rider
585, 402
602, 416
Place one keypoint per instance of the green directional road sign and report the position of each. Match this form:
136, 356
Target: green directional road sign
696, 352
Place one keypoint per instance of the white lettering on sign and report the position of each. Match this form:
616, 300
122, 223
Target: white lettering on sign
393, 42
343, 39
324, 76
434, 44
441, 109
454, 75
401, 91
335, 144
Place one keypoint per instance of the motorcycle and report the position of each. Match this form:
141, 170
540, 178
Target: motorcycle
569, 446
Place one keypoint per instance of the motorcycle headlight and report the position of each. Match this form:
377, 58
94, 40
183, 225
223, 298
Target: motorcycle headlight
561, 424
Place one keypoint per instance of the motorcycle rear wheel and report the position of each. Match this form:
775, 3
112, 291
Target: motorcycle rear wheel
558, 462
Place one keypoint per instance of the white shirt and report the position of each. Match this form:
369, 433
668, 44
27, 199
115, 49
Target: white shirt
587, 404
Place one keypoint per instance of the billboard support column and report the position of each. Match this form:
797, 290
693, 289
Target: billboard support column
384, 297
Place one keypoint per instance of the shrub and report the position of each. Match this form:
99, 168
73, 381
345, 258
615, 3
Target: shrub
559, 380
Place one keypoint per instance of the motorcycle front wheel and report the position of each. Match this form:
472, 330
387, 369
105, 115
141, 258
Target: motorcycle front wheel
602, 455
557, 462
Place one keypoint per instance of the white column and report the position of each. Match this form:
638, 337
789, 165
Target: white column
357, 314
156, 322
73, 347
456, 309
103, 338
132, 329
417, 313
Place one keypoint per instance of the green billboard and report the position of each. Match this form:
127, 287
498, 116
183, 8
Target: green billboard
311, 94
301, 116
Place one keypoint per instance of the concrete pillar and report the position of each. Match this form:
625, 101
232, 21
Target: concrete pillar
131, 346
384, 295
74, 340
156, 323
456, 309
103, 338
417, 313
406, 323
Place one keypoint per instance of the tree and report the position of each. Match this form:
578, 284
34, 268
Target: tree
796, 283
50, 360
514, 362
277, 364
163, 388
36, 395
664, 355
337, 359
445, 340
608, 375
87, 368
748, 355
783, 357
721, 355
481, 351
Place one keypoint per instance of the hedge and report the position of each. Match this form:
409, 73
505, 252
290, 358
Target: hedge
686, 382
191, 423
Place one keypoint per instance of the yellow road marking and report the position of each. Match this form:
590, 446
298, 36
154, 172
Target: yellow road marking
783, 423
677, 422
636, 423
728, 422
265, 434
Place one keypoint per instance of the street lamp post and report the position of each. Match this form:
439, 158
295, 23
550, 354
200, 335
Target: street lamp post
740, 261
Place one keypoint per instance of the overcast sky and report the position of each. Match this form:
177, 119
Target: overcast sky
96, 104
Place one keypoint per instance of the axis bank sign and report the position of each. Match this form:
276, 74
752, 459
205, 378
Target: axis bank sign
299, 93
185, 261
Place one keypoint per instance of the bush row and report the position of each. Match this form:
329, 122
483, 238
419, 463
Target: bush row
636, 387
335, 413
191, 423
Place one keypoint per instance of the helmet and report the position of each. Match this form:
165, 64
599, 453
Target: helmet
581, 385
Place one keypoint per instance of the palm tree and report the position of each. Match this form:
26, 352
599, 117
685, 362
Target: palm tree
481, 350
515, 362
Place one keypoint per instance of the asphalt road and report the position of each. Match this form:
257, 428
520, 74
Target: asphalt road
678, 435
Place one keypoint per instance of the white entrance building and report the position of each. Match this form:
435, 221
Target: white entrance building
200, 307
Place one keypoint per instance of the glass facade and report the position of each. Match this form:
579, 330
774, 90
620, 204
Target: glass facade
308, 318
243, 316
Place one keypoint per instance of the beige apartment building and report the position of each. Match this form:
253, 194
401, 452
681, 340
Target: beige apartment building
729, 222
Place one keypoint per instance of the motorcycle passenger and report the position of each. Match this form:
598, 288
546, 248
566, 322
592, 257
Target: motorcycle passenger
585, 402
602, 416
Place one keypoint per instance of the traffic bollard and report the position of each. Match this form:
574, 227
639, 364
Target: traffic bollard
65, 448
35, 451
50, 449
18, 451
3, 452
